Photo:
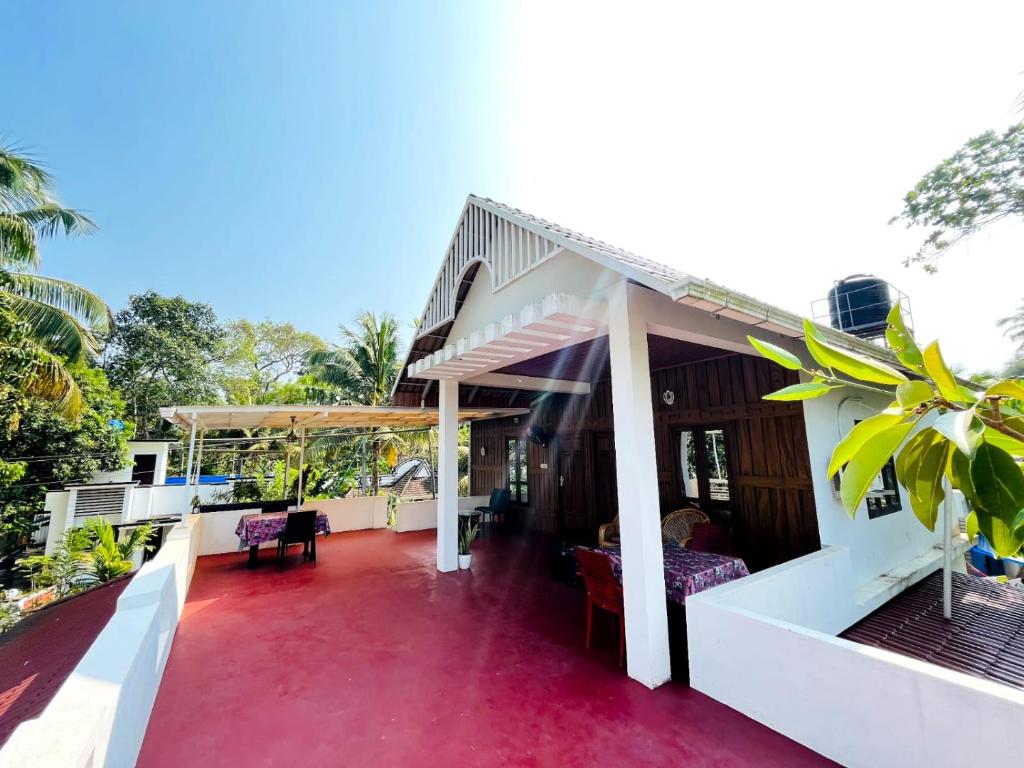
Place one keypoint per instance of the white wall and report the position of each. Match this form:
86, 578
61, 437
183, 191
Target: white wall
56, 503
764, 645
99, 716
878, 545
124, 475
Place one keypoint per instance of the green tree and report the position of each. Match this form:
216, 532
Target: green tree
109, 556
57, 450
363, 370
64, 320
160, 354
978, 185
938, 430
261, 359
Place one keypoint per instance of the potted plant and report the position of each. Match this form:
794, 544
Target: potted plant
467, 536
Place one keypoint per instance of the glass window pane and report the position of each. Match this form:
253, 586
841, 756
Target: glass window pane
718, 465
688, 462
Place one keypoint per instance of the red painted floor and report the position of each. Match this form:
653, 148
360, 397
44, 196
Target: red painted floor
375, 658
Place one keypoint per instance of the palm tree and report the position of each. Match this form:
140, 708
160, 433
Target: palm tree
1014, 326
65, 320
363, 369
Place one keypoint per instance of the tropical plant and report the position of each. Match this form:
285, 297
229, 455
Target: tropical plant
392, 510
59, 450
108, 556
468, 532
363, 370
85, 556
9, 615
65, 569
260, 359
938, 429
65, 321
161, 353
978, 185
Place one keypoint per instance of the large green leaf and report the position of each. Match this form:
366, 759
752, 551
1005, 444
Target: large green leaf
963, 428
901, 341
866, 464
1006, 388
999, 489
783, 357
927, 493
852, 364
913, 393
802, 391
960, 477
1010, 445
972, 526
940, 373
859, 435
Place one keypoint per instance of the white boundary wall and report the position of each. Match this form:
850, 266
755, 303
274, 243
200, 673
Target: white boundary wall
99, 716
765, 645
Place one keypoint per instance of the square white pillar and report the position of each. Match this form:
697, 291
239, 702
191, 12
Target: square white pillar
448, 475
643, 570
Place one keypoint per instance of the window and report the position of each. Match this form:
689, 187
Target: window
883, 496
517, 484
704, 465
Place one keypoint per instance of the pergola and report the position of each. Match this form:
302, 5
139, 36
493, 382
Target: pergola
199, 419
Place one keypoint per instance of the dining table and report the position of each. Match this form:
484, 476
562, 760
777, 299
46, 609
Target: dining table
255, 529
688, 571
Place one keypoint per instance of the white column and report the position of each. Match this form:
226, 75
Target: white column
302, 458
643, 574
191, 451
448, 475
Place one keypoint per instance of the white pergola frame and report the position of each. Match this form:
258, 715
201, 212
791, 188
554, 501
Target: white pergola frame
199, 419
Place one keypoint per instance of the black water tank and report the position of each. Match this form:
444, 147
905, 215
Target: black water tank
859, 305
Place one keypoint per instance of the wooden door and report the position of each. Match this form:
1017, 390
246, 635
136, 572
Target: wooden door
576, 514
606, 493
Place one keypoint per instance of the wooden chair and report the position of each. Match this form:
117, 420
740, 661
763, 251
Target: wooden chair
299, 528
603, 592
678, 526
710, 538
608, 534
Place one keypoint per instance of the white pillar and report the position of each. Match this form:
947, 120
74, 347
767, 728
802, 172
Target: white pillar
302, 458
191, 451
448, 475
643, 574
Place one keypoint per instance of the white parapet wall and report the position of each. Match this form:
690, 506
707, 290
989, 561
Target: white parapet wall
98, 718
766, 645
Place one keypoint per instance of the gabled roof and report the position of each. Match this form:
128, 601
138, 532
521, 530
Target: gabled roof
512, 243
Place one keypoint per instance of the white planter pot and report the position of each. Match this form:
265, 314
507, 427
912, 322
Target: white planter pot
465, 561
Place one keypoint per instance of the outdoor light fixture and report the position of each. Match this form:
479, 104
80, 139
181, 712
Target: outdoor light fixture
292, 437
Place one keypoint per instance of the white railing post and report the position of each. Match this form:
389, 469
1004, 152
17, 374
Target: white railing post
643, 574
448, 475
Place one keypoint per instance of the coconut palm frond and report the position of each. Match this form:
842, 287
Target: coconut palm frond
51, 219
56, 330
67, 296
52, 381
17, 242
20, 175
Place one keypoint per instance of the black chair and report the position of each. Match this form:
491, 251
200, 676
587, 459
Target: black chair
496, 507
299, 528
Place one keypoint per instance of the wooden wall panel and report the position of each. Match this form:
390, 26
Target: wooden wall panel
772, 509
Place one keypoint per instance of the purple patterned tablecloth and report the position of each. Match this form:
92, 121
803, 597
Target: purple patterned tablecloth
687, 571
256, 528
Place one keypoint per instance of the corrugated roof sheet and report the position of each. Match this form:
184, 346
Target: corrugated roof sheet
985, 637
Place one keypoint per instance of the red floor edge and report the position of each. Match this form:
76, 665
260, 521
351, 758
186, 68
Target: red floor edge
375, 658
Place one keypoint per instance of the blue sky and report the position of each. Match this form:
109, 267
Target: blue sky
304, 160
294, 164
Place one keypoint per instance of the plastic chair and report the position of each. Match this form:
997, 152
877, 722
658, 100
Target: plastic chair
496, 507
603, 591
299, 528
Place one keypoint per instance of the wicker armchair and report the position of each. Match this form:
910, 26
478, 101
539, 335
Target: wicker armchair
608, 534
678, 526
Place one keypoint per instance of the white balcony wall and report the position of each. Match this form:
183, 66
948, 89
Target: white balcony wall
99, 716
